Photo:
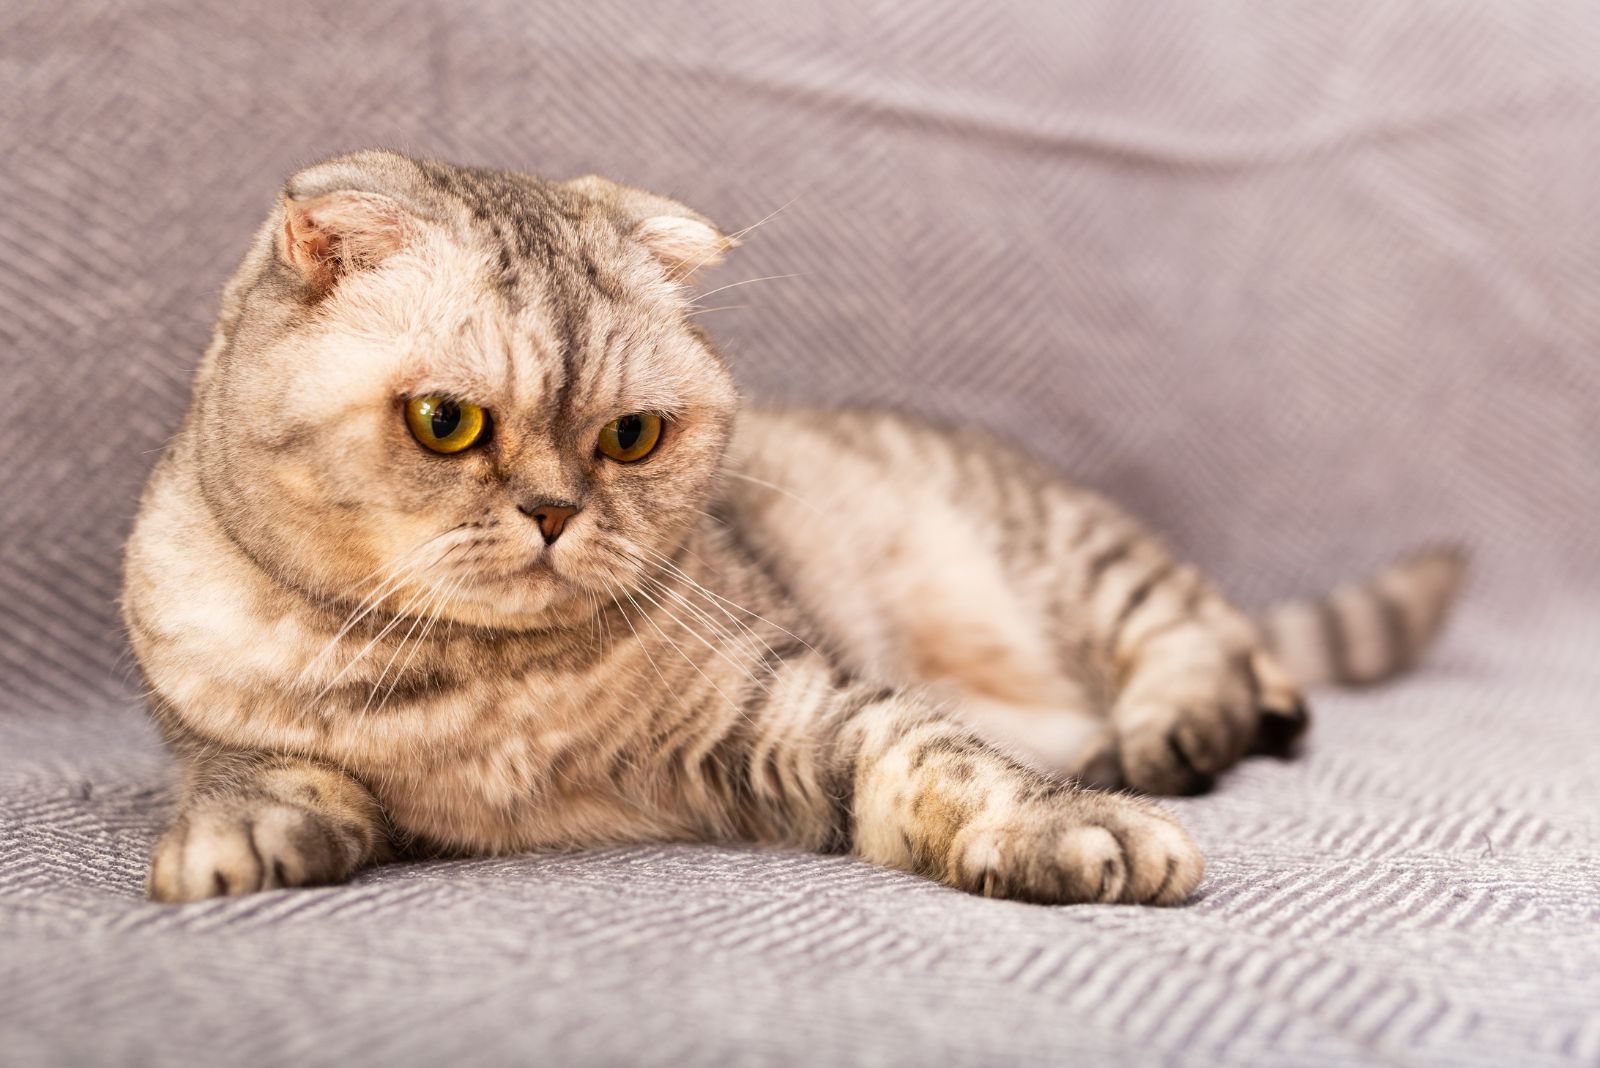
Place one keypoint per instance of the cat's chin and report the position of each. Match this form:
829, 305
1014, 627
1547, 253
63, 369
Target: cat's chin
533, 599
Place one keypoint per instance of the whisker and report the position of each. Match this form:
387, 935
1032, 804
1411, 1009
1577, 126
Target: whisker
717, 597
421, 615
695, 587
365, 649
798, 743
732, 637
421, 639
768, 217
392, 572
389, 586
605, 622
670, 614
775, 488
643, 645
594, 614
720, 307
410, 561
687, 659
731, 239
713, 599
749, 282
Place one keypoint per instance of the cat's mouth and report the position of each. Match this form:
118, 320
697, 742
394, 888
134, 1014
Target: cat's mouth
537, 566
540, 565
514, 592
545, 574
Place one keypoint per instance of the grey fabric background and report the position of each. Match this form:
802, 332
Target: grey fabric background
1302, 282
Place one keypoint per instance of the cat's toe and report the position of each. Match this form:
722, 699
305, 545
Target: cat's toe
1049, 862
1174, 758
299, 848
1163, 863
204, 854
1091, 848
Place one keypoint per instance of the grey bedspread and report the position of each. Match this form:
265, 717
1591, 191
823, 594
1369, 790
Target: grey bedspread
1302, 282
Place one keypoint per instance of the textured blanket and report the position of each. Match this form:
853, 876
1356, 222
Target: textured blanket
1302, 283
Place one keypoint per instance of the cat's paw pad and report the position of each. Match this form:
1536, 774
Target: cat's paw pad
224, 851
1118, 852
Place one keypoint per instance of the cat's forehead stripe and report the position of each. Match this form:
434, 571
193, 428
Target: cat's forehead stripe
579, 331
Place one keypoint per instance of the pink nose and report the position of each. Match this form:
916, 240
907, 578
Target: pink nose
551, 516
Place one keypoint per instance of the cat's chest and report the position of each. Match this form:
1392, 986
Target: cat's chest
496, 760
483, 721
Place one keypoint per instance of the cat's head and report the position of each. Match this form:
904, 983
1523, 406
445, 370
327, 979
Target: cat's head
479, 388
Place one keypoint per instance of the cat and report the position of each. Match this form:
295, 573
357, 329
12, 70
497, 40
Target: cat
466, 546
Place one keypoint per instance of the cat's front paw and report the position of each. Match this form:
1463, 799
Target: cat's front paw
242, 847
1072, 847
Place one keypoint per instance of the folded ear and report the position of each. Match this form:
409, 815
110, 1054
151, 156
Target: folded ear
683, 243
682, 240
328, 237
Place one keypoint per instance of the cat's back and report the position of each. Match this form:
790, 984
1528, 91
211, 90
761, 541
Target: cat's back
845, 466
823, 446
884, 527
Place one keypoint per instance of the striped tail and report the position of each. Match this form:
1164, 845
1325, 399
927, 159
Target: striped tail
1370, 631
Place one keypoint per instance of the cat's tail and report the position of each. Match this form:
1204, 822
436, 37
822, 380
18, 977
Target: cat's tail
1367, 631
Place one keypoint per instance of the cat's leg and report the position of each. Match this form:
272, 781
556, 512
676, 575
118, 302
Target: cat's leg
1066, 737
901, 782
258, 821
1195, 689
976, 640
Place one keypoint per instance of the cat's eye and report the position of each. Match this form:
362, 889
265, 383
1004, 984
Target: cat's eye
446, 425
633, 437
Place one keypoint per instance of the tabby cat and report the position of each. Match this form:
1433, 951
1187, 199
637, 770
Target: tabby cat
465, 546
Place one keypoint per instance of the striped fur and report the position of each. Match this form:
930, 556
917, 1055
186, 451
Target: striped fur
839, 631
1367, 632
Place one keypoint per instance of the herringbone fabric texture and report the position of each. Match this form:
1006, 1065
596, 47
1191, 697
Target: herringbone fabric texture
1301, 282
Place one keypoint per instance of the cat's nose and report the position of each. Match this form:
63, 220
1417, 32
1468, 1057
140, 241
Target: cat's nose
551, 516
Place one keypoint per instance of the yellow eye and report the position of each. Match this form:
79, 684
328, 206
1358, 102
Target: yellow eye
444, 425
633, 437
